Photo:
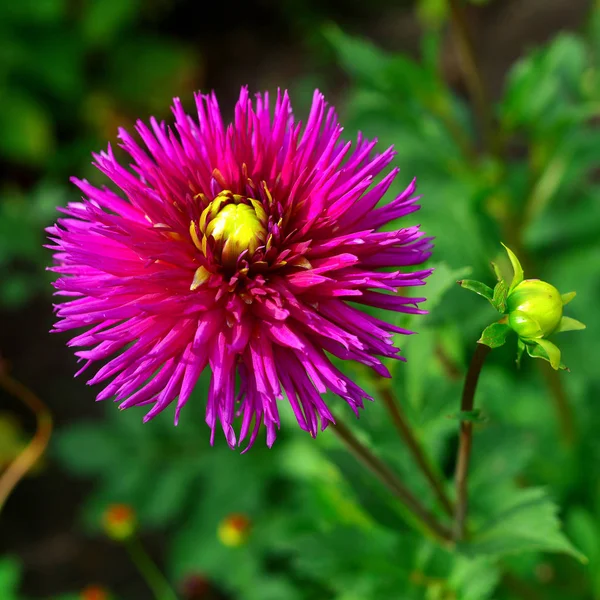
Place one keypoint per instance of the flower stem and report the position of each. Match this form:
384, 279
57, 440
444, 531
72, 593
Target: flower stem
156, 581
472, 75
391, 481
406, 433
465, 439
36, 447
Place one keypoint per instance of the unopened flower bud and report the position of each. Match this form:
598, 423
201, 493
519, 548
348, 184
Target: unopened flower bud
532, 308
198, 587
94, 592
535, 309
119, 521
234, 530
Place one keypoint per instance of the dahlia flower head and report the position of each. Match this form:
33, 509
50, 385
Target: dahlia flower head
247, 249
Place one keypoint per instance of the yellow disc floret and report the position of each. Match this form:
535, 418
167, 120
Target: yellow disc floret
235, 223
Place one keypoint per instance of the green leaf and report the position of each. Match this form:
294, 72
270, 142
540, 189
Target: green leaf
528, 522
432, 13
471, 416
87, 448
497, 272
543, 86
104, 19
474, 579
569, 324
517, 269
10, 574
359, 57
162, 67
500, 295
27, 133
477, 287
494, 335
441, 281
546, 350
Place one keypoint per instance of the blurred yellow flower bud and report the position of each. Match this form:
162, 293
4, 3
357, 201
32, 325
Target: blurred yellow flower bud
94, 592
119, 521
234, 530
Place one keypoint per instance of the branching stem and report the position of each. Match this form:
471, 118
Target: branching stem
406, 433
391, 481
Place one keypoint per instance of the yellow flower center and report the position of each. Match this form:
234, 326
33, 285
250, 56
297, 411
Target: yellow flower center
236, 224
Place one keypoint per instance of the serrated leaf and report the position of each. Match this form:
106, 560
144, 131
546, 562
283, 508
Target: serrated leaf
477, 287
527, 523
494, 335
500, 295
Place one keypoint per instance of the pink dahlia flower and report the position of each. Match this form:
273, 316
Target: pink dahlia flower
247, 249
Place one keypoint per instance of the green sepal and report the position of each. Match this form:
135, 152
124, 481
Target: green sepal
499, 297
494, 335
520, 350
477, 287
471, 416
546, 350
569, 324
497, 271
524, 326
566, 298
517, 269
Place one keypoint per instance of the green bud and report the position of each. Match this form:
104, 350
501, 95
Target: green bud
535, 309
532, 308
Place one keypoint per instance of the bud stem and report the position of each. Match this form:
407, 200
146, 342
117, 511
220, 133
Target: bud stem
391, 481
406, 433
152, 575
465, 440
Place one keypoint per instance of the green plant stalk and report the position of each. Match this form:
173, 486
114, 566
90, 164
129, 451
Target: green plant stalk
406, 433
36, 447
473, 78
392, 482
465, 441
157, 582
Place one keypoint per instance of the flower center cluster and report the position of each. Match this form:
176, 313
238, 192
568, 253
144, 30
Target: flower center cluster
229, 227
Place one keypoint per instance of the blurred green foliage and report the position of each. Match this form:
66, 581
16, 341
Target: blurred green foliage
66, 85
321, 527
